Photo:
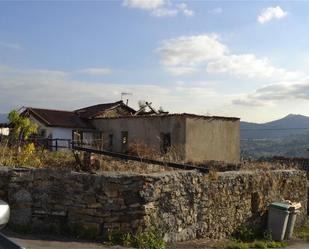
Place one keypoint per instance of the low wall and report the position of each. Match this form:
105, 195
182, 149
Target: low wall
185, 204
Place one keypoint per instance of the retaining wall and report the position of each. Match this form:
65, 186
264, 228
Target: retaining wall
184, 204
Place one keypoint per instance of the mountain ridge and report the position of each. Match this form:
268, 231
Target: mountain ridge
292, 124
3, 118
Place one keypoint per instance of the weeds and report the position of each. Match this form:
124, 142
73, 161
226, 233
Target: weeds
30, 156
245, 234
151, 239
213, 175
303, 232
262, 244
245, 238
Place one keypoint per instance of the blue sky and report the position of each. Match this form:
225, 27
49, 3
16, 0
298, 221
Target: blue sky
235, 58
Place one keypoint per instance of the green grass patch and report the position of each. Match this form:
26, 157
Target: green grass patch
303, 232
262, 244
151, 239
245, 238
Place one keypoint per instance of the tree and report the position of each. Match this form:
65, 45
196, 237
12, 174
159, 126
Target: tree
21, 126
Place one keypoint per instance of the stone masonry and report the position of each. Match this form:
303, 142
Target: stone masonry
184, 204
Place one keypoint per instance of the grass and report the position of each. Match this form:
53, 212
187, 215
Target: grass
30, 156
151, 239
37, 157
303, 232
245, 238
262, 244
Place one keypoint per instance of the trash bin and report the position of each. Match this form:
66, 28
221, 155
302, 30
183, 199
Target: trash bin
278, 216
294, 210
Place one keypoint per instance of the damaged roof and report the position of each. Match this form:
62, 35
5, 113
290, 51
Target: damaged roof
186, 115
98, 110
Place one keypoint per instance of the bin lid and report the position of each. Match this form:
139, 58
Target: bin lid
280, 205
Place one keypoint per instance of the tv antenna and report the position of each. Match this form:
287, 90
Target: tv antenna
126, 94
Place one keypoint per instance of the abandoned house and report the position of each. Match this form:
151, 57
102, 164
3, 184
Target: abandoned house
192, 138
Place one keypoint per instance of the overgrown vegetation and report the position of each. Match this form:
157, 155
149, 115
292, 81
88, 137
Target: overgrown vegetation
245, 238
303, 232
151, 239
28, 155
142, 150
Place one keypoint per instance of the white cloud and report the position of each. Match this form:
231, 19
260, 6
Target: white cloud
59, 90
252, 67
216, 11
271, 13
187, 54
95, 71
270, 94
10, 45
206, 53
159, 8
182, 7
144, 4
162, 12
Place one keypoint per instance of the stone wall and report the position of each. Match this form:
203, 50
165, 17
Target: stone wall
184, 204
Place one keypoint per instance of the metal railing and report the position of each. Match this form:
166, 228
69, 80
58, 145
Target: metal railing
52, 144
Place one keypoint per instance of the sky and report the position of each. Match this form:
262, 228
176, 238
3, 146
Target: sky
246, 59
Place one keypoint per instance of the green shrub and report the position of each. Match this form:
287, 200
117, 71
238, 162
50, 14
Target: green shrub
244, 234
267, 235
149, 240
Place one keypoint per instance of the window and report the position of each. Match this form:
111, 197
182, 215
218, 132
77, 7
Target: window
165, 142
98, 140
124, 141
110, 141
43, 133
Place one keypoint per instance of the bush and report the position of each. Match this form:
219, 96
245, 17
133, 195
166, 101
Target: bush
245, 234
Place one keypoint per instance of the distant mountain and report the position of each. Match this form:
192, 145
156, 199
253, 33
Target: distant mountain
288, 126
3, 118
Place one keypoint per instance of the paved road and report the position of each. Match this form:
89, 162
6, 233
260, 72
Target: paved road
39, 242
299, 245
51, 242
207, 244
